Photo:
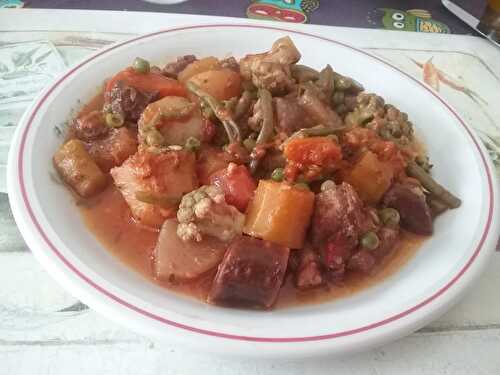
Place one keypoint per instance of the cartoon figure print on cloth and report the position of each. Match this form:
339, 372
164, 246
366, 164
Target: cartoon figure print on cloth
411, 20
296, 11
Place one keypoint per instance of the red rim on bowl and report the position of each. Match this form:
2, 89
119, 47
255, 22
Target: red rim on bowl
26, 201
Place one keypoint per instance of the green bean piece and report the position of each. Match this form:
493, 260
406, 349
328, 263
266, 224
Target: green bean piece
370, 241
192, 144
326, 81
327, 185
278, 175
158, 200
231, 128
267, 129
114, 120
303, 73
389, 216
141, 66
432, 186
315, 131
338, 97
243, 104
437, 207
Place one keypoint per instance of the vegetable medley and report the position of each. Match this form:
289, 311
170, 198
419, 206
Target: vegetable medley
255, 170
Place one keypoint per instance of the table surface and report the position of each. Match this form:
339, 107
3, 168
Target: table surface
44, 330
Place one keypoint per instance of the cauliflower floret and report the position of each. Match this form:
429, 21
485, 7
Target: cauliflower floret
204, 211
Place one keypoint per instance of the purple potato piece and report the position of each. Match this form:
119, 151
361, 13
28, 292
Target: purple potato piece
250, 275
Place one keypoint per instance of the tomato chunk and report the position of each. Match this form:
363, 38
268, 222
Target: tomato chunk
237, 184
321, 151
148, 82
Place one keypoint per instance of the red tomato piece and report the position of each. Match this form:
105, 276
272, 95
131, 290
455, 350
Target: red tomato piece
148, 82
236, 183
320, 151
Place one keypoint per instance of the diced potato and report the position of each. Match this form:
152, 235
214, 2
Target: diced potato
196, 67
176, 132
370, 177
114, 149
175, 259
78, 170
222, 84
279, 213
152, 184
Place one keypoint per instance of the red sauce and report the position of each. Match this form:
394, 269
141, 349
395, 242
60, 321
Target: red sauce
108, 217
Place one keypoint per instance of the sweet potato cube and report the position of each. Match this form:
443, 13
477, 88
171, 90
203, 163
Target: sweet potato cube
250, 275
279, 213
370, 177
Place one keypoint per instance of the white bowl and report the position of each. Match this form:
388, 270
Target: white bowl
420, 291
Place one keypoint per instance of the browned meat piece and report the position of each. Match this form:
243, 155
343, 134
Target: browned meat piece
308, 274
250, 274
361, 261
312, 101
90, 126
338, 220
388, 238
127, 101
172, 69
290, 117
114, 149
410, 201
230, 63
337, 210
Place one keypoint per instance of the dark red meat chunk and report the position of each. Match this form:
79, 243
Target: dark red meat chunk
230, 63
127, 101
410, 201
250, 275
172, 69
90, 126
308, 273
290, 117
362, 261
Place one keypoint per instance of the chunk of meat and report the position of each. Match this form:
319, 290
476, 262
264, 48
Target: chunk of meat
311, 101
410, 202
250, 274
78, 170
338, 220
362, 261
337, 210
388, 237
204, 211
290, 117
153, 183
127, 100
176, 260
90, 126
308, 274
114, 149
237, 184
173, 68
230, 63
271, 70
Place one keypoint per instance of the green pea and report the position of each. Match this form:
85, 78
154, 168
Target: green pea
249, 143
278, 175
389, 216
141, 66
370, 241
114, 120
338, 97
192, 144
327, 185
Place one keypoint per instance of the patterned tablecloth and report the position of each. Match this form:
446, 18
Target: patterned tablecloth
40, 323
